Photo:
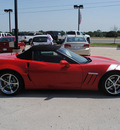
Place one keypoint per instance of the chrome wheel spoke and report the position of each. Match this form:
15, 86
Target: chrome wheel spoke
11, 89
109, 87
118, 85
2, 88
110, 80
117, 79
115, 90
3, 80
10, 76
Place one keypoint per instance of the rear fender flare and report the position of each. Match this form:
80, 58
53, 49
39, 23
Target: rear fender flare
14, 68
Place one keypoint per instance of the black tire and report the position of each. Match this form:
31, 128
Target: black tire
11, 83
111, 83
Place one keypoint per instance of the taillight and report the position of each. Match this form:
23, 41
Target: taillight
24, 37
67, 45
86, 45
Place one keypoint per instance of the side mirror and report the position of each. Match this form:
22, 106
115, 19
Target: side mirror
65, 63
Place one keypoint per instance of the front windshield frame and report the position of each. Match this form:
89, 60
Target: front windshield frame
77, 58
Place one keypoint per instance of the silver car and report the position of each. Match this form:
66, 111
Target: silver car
77, 44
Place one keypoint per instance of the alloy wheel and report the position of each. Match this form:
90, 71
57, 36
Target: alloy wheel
112, 84
9, 83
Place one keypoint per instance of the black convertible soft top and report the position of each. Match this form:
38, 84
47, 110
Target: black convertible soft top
28, 53
45, 47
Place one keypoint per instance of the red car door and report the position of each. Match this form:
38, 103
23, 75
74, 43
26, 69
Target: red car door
55, 76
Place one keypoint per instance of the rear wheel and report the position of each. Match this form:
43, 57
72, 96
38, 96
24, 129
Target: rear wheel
111, 83
10, 83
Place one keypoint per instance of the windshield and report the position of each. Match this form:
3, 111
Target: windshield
71, 33
79, 59
7, 39
76, 39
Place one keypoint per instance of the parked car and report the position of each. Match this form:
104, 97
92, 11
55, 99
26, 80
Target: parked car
79, 33
5, 34
77, 44
57, 36
42, 40
7, 44
27, 37
2, 35
52, 67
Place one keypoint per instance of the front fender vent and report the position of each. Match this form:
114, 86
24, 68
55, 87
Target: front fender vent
90, 78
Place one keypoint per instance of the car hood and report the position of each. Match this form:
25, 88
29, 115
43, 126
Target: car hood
102, 60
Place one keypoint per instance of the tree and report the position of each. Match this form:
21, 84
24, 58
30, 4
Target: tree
111, 34
62, 32
115, 33
98, 33
41, 31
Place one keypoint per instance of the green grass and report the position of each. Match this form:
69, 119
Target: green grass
105, 44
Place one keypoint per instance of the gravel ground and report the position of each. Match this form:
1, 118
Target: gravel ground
62, 110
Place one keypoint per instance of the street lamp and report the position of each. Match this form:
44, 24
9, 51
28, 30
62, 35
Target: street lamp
16, 24
78, 7
9, 11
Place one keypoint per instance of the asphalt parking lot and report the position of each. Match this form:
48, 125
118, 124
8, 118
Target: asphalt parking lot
62, 110
111, 52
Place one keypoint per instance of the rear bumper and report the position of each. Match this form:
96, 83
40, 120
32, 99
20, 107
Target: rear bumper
5, 49
85, 51
10, 49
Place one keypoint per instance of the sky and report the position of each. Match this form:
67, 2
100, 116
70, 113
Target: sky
36, 15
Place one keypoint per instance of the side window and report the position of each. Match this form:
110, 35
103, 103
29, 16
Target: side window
47, 56
50, 56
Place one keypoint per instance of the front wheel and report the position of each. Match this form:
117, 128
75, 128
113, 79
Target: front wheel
111, 83
10, 83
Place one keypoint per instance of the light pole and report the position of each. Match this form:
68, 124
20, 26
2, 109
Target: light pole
16, 24
9, 11
79, 17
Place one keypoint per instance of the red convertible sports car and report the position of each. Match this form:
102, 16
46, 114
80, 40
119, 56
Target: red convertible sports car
52, 67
